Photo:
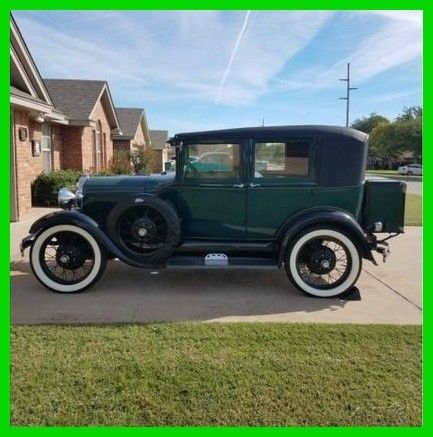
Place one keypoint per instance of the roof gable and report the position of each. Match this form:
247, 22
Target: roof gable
158, 138
129, 121
77, 98
24, 75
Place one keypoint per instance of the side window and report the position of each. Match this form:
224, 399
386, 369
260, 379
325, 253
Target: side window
280, 160
211, 161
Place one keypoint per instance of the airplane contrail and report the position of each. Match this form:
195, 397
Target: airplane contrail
232, 56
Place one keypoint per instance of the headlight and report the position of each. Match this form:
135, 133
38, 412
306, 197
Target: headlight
66, 198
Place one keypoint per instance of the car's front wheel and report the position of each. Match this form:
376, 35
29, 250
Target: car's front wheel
323, 262
67, 259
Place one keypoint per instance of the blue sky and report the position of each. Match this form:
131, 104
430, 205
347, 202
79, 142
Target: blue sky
198, 70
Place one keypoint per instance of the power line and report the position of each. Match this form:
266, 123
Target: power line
348, 90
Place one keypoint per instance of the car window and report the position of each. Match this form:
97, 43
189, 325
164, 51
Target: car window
212, 161
278, 160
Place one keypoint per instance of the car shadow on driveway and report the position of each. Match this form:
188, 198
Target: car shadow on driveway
128, 294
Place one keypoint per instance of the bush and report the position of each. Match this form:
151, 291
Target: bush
120, 163
46, 186
142, 159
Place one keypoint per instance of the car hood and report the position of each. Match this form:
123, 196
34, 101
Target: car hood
131, 184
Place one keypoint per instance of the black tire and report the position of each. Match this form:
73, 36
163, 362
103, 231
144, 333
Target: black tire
135, 246
316, 254
71, 283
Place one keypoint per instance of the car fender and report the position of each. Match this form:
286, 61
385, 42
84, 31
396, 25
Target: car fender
322, 216
74, 217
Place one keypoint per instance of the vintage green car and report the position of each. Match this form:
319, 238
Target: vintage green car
292, 196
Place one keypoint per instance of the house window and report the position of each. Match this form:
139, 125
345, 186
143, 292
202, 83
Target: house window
98, 148
104, 150
47, 158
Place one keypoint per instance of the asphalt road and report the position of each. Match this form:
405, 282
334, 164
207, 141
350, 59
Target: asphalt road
389, 293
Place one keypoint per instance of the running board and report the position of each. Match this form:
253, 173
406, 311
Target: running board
212, 261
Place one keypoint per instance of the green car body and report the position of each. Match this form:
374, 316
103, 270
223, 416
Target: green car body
248, 195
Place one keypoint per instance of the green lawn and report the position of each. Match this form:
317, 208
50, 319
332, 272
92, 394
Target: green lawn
413, 210
384, 172
216, 374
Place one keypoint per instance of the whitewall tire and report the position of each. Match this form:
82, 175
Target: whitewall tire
323, 262
67, 259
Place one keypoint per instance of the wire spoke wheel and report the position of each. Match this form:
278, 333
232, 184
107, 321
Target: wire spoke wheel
66, 257
142, 229
323, 263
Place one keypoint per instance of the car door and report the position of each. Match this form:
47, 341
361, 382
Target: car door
281, 183
212, 190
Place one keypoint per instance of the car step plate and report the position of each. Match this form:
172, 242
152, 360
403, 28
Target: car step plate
216, 259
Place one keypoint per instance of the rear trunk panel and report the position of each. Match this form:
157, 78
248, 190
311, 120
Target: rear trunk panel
384, 201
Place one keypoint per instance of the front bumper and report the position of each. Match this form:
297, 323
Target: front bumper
26, 242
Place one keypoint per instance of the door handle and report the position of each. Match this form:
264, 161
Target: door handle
254, 185
238, 185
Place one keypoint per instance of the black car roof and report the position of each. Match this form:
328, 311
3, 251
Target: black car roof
251, 132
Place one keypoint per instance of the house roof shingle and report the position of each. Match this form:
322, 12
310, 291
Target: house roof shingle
158, 138
129, 118
75, 98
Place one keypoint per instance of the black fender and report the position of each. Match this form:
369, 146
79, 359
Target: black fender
74, 217
323, 216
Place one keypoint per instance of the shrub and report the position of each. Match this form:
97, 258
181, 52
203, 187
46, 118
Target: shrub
46, 186
142, 159
105, 172
120, 163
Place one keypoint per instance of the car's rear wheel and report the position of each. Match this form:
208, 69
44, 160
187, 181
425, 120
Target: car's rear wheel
323, 262
67, 259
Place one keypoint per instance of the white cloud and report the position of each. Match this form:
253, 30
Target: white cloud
175, 55
398, 41
177, 52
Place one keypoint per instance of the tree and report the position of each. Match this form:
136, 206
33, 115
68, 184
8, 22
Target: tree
143, 159
409, 128
367, 124
410, 113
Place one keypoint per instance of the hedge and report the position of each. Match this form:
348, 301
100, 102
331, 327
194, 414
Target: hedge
46, 186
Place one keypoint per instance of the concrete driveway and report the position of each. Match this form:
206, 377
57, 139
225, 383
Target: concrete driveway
414, 187
389, 293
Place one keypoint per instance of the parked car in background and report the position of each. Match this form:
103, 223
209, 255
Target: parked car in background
410, 169
288, 196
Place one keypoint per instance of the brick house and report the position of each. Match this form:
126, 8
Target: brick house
55, 124
92, 120
133, 130
36, 125
161, 150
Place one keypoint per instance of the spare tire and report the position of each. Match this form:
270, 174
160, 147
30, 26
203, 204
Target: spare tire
146, 228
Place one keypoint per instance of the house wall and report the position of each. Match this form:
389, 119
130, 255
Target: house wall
158, 162
88, 155
121, 145
72, 157
139, 137
27, 166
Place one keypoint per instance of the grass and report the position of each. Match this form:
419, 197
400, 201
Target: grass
413, 210
384, 172
216, 374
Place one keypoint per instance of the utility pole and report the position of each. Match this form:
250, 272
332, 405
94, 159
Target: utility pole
348, 90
